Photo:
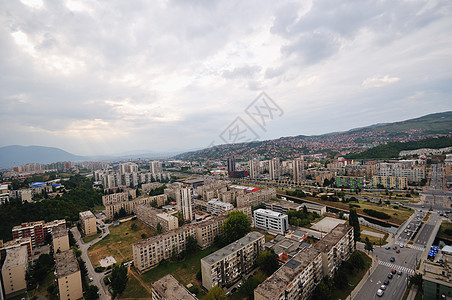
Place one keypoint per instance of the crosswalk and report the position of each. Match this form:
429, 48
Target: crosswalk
398, 268
419, 248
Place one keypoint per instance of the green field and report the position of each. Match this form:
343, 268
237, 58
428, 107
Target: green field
444, 230
87, 239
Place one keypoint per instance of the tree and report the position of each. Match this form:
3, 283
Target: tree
159, 228
369, 247
305, 210
91, 292
216, 293
180, 217
118, 278
82, 266
268, 262
340, 279
191, 244
236, 226
416, 279
354, 222
323, 290
357, 261
134, 227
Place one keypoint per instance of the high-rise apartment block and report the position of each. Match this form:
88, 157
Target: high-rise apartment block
296, 279
272, 221
231, 165
229, 263
14, 270
274, 168
36, 230
184, 202
128, 167
168, 288
88, 222
152, 217
298, 170
390, 182
60, 240
216, 207
155, 167
25, 241
130, 206
68, 276
254, 166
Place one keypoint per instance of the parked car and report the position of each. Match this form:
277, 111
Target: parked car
397, 251
401, 246
395, 247
233, 290
387, 247
383, 287
380, 293
393, 271
392, 259
386, 282
390, 276
399, 273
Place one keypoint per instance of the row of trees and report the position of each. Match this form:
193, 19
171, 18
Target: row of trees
377, 214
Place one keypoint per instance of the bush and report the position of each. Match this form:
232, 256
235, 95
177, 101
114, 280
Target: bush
395, 206
377, 214
193, 289
99, 269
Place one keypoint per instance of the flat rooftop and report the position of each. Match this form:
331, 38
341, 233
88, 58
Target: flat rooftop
66, 263
170, 288
59, 232
332, 238
28, 224
15, 257
233, 247
268, 212
274, 285
86, 214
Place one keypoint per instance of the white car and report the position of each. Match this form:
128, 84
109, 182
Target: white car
380, 293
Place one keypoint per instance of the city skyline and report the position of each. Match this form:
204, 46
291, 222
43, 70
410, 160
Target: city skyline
95, 79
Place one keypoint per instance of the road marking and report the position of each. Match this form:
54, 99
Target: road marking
398, 268
415, 247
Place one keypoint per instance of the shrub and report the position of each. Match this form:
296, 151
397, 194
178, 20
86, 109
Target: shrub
376, 214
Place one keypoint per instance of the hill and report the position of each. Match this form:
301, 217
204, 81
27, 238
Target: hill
392, 150
342, 143
19, 155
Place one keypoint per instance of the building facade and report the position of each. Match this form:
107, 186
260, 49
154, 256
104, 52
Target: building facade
298, 170
168, 288
272, 221
14, 271
390, 182
216, 207
60, 240
68, 276
88, 222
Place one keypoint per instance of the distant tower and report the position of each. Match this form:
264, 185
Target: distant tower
274, 168
254, 165
155, 167
231, 165
183, 200
298, 170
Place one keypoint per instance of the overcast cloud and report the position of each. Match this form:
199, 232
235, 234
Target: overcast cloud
103, 77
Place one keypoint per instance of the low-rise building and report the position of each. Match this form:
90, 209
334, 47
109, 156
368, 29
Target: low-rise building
283, 206
335, 247
286, 247
14, 270
272, 221
296, 279
68, 276
152, 217
229, 263
88, 222
129, 206
216, 207
168, 288
60, 240
437, 277
390, 182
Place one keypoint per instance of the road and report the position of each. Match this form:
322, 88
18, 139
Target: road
97, 277
423, 234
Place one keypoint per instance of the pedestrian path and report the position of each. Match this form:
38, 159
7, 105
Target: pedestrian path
398, 268
419, 248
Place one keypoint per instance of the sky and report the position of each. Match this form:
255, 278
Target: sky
108, 77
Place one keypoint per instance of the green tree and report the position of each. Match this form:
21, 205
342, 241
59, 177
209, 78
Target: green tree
354, 222
180, 218
369, 247
236, 226
191, 245
216, 293
357, 261
268, 262
134, 227
118, 278
416, 279
91, 292
340, 279
159, 228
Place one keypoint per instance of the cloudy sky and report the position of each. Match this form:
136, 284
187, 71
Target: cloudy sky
103, 77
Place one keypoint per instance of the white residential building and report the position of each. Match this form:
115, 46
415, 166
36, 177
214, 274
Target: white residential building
216, 207
270, 221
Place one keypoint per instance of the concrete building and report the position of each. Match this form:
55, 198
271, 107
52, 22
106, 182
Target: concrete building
390, 182
231, 165
256, 197
14, 270
129, 206
269, 220
298, 170
168, 288
437, 277
88, 222
152, 216
216, 207
25, 241
283, 206
335, 247
155, 167
229, 263
33, 230
184, 202
274, 168
115, 198
351, 182
128, 167
68, 276
296, 279
254, 166
286, 247
60, 240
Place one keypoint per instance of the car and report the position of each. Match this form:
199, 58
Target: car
401, 246
91, 279
380, 293
383, 287
398, 251
390, 276
395, 247
392, 259
108, 272
423, 206
386, 282
393, 271
234, 290
405, 231
399, 272
387, 247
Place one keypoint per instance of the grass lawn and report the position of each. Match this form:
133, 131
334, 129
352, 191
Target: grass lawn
98, 208
119, 242
246, 289
134, 289
373, 239
87, 239
445, 225
184, 271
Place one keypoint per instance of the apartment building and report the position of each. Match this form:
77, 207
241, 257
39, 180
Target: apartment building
148, 187
335, 247
255, 198
49, 227
14, 270
272, 221
168, 288
254, 167
436, 277
68, 276
60, 240
88, 222
296, 279
274, 168
152, 216
286, 247
283, 206
351, 182
115, 198
184, 202
207, 230
229, 263
128, 167
25, 241
216, 207
33, 230
129, 206
390, 182
155, 167
298, 170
